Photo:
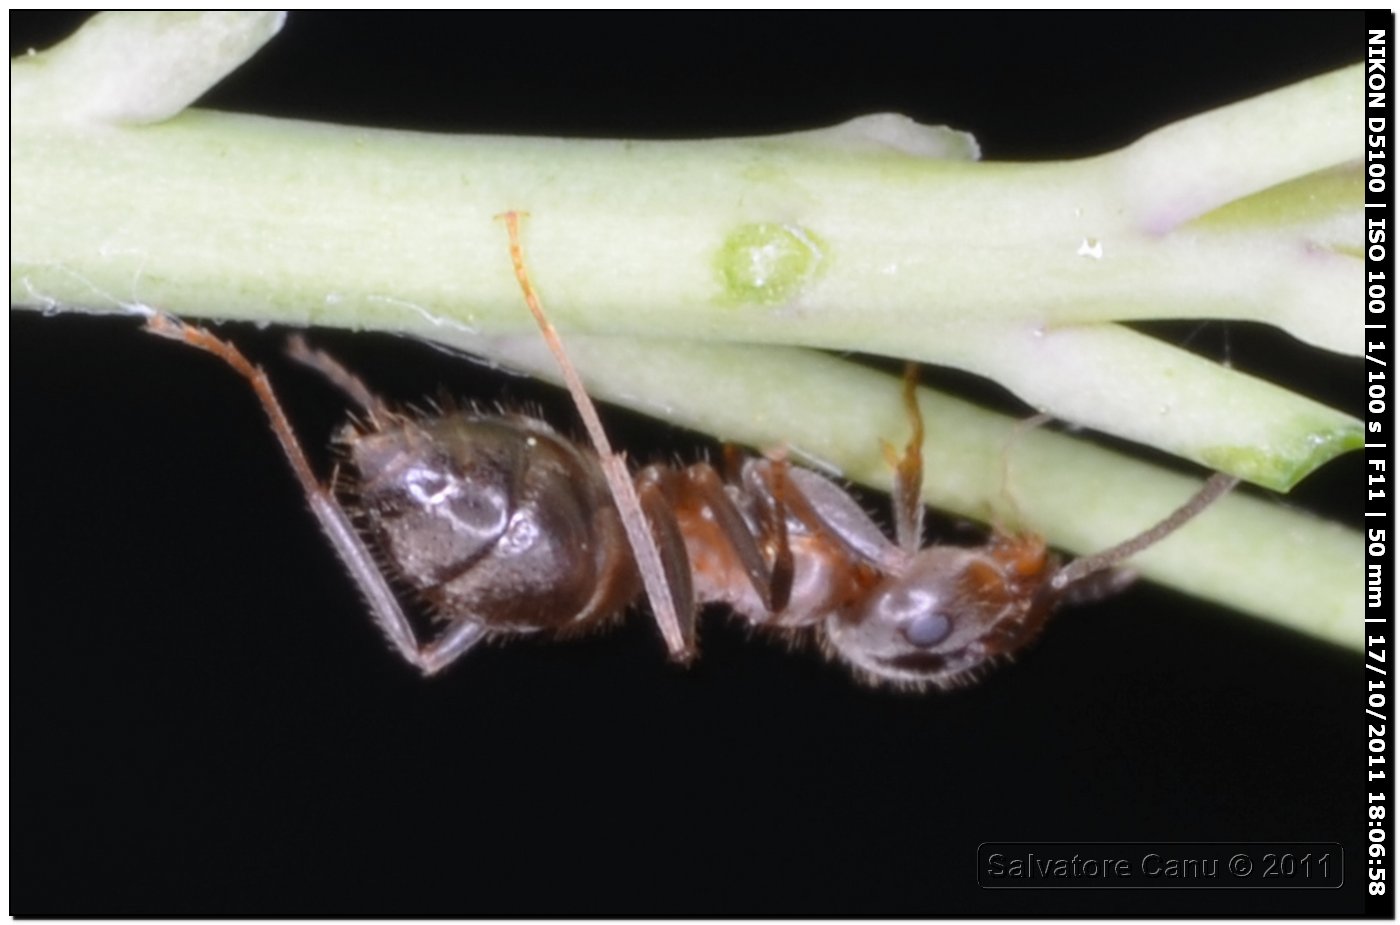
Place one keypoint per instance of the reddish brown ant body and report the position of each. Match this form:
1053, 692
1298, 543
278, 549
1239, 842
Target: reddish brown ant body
503, 527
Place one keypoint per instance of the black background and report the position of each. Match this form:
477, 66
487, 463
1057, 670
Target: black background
204, 721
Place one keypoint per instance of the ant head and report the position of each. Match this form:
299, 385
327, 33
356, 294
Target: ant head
950, 611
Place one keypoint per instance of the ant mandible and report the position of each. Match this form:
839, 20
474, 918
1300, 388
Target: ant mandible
503, 527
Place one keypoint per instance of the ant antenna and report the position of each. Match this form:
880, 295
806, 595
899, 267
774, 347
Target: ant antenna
1217, 486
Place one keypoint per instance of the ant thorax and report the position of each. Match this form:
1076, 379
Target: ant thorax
503, 527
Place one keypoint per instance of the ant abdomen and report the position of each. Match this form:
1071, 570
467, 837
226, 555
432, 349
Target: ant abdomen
493, 518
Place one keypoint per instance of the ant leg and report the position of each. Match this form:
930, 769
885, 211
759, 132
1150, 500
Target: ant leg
732, 464
772, 503
340, 377
658, 505
455, 641
1216, 487
909, 470
629, 507
346, 541
823, 507
774, 587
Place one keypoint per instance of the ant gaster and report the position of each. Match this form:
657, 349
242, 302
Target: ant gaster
501, 526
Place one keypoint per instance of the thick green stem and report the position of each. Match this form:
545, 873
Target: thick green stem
878, 236
872, 236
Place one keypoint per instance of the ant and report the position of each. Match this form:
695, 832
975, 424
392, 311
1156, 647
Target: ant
502, 527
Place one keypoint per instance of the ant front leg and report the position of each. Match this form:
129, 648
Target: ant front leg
824, 509
335, 522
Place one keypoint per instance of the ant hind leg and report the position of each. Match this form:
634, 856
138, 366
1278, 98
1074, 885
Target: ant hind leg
358, 560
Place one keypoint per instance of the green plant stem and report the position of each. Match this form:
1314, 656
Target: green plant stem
879, 236
874, 236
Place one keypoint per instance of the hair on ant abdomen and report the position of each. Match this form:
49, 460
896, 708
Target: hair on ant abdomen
502, 527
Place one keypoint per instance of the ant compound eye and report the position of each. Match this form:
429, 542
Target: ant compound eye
927, 630
915, 612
